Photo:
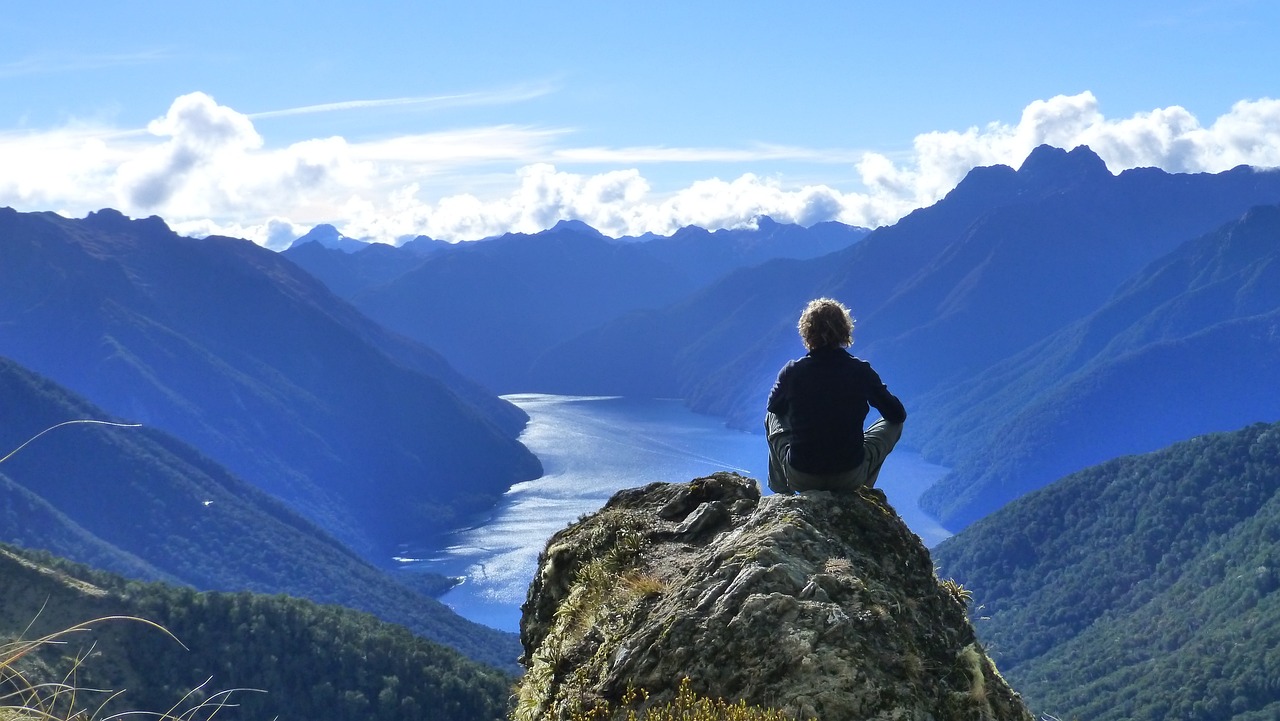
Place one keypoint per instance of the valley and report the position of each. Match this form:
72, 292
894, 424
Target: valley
1060, 334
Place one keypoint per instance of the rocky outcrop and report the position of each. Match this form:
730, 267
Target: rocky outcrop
817, 605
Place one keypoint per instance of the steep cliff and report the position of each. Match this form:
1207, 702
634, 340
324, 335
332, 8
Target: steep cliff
819, 606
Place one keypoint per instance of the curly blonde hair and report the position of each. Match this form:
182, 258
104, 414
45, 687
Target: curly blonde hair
825, 323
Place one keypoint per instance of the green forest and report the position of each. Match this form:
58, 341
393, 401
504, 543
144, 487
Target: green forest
283, 657
1141, 588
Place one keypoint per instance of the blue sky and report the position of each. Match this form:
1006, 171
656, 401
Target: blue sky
460, 120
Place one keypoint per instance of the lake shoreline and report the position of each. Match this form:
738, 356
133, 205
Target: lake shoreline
591, 447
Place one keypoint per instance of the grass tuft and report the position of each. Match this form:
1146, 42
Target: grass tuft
24, 699
687, 706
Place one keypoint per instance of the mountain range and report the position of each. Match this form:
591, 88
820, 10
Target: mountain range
948, 300
305, 413
1188, 345
493, 307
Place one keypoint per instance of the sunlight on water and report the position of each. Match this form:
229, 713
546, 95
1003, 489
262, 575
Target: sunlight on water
591, 447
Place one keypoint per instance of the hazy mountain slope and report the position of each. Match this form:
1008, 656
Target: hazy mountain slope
646, 348
347, 273
522, 294
1144, 587
1060, 235
28, 520
235, 350
138, 502
302, 660
491, 307
1187, 346
728, 310
707, 255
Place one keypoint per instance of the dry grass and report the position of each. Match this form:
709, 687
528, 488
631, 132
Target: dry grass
23, 698
687, 706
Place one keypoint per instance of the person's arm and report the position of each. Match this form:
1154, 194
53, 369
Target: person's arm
891, 409
779, 397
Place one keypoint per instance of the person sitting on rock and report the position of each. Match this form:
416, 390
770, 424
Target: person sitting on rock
818, 407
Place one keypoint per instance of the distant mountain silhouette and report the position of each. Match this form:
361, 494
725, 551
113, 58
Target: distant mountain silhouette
1001, 263
328, 236
707, 255
233, 349
492, 307
138, 502
349, 273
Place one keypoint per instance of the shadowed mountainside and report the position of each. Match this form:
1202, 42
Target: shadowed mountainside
235, 350
1187, 346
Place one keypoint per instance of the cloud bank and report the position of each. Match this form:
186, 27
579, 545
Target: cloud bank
207, 169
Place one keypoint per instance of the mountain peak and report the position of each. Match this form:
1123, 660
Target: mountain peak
1051, 166
817, 605
575, 226
329, 237
113, 221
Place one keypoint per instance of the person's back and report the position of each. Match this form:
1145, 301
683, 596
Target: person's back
818, 406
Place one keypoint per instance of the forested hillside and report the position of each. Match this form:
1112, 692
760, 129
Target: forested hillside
288, 658
1141, 588
139, 502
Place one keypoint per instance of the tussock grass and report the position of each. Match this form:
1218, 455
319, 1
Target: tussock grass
23, 698
687, 706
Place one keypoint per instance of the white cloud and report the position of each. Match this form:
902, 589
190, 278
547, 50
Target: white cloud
206, 169
201, 134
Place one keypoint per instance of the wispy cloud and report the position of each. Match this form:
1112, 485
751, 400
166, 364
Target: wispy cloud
662, 154
52, 64
513, 143
1205, 15
505, 96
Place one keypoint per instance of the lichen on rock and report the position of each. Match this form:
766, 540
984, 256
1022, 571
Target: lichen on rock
822, 606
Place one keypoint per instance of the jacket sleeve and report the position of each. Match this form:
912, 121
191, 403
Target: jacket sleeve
891, 409
779, 397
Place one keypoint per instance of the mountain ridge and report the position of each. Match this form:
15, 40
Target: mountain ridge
525, 293
235, 350
136, 501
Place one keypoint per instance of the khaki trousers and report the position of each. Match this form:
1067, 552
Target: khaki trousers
878, 441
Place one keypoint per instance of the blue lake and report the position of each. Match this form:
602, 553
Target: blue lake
592, 447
